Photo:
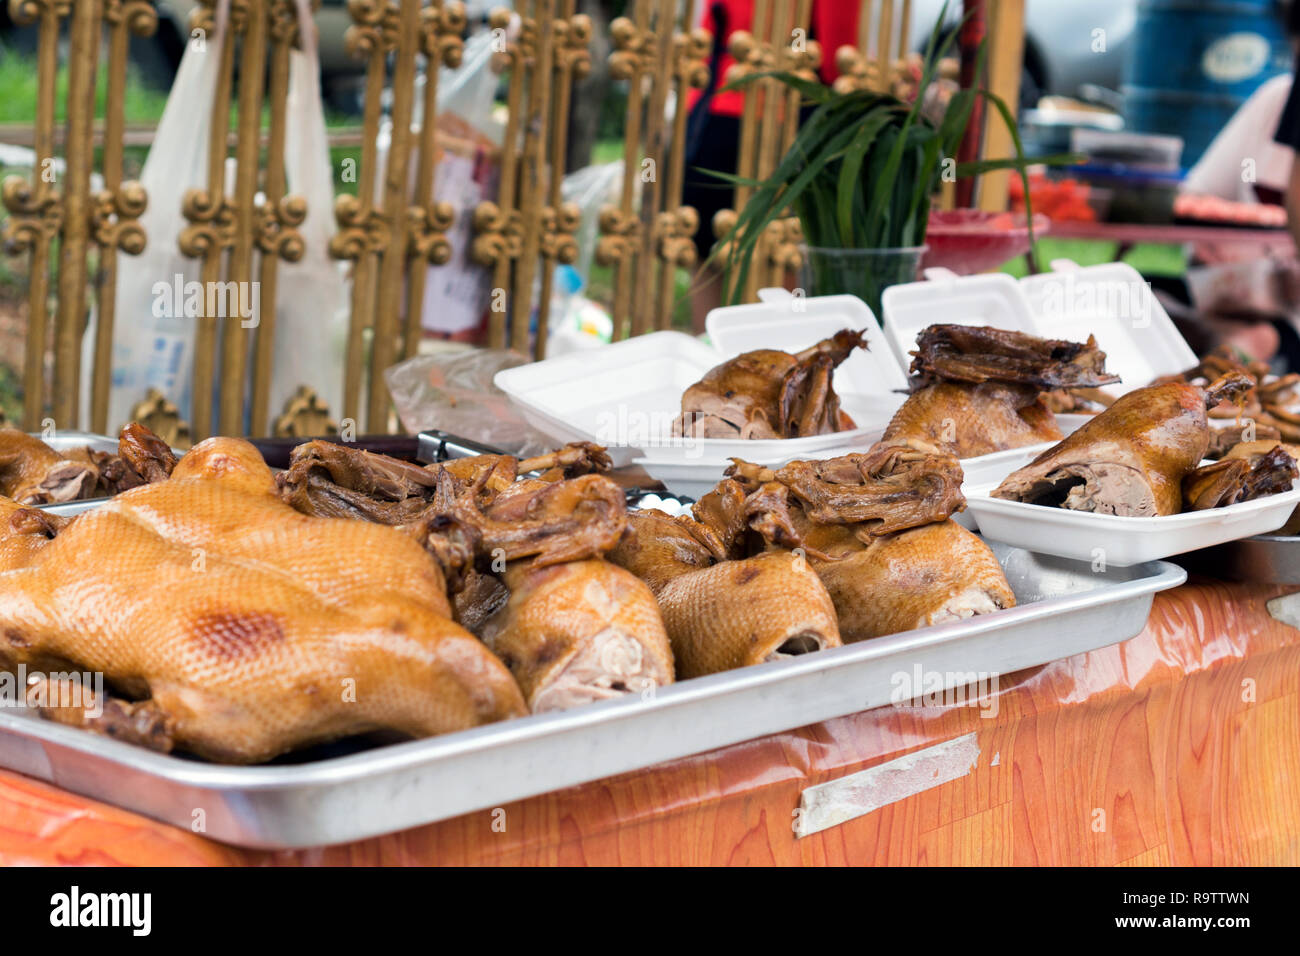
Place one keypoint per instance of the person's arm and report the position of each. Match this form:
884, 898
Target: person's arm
1288, 134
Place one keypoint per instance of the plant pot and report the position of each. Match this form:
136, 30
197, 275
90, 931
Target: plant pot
865, 273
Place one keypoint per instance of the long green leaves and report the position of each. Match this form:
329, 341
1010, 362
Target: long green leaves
863, 167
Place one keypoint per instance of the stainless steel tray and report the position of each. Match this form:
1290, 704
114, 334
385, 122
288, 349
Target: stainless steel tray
1065, 608
1264, 559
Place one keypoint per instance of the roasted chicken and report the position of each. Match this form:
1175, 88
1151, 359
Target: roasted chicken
982, 390
248, 628
1132, 458
770, 394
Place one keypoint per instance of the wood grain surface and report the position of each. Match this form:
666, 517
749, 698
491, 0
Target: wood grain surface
1181, 746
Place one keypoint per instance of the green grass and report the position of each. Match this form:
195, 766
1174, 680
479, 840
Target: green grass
18, 87
1150, 259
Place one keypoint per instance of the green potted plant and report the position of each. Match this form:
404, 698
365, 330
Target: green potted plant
860, 175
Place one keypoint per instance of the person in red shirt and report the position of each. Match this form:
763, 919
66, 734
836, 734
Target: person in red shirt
713, 126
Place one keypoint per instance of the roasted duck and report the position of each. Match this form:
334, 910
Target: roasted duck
1132, 458
746, 612
876, 530
723, 609
1271, 408
574, 628
577, 632
770, 394
246, 628
982, 390
1240, 477
529, 580
33, 473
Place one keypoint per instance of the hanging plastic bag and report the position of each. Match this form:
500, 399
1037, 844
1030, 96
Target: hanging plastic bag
312, 300
153, 339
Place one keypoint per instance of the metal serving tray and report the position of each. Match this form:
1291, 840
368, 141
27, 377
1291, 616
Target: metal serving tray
1064, 609
1264, 559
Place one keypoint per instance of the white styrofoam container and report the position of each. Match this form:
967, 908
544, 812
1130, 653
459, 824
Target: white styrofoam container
626, 395
621, 396
993, 299
792, 323
1124, 541
1114, 303
686, 479
696, 477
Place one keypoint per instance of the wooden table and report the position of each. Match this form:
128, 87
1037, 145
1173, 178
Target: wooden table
1179, 746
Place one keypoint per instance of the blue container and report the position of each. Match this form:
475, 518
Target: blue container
1192, 63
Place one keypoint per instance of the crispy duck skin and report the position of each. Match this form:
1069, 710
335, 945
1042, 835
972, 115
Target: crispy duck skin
926, 575
657, 548
739, 613
882, 584
579, 632
33, 473
770, 394
1130, 459
550, 522
975, 419
891, 487
1238, 478
975, 354
327, 479
243, 620
145, 454
983, 390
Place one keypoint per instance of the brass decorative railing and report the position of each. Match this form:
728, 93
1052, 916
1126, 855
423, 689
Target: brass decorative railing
393, 228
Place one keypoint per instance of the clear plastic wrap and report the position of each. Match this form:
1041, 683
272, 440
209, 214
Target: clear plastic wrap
452, 390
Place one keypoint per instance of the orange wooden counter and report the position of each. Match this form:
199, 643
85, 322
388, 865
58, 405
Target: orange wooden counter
1179, 746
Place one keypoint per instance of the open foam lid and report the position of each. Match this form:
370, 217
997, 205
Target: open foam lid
992, 299
791, 323
1114, 303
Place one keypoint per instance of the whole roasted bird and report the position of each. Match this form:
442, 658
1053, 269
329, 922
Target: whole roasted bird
770, 394
530, 580
982, 390
241, 627
723, 610
876, 530
1132, 458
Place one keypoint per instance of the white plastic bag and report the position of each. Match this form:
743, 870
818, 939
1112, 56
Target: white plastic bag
153, 340
312, 300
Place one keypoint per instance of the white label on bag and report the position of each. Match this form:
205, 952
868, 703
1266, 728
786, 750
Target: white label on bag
1236, 57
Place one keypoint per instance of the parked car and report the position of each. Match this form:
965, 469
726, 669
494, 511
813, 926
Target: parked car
340, 73
1067, 45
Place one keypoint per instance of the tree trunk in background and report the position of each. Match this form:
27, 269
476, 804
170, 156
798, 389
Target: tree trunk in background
590, 93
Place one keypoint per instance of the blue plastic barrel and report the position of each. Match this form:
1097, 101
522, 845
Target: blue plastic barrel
1192, 63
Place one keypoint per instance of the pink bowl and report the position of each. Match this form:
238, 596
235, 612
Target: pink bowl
968, 241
